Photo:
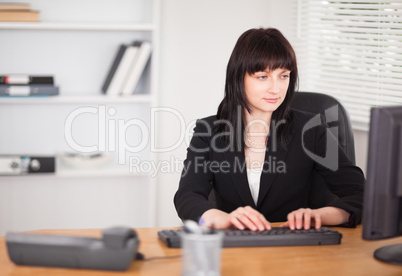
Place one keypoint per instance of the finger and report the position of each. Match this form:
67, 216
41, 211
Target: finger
285, 224
256, 219
291, 220
307, 219
247, 220
299, 219
317, 220
236, 223
266, 223
260, 220
236, 216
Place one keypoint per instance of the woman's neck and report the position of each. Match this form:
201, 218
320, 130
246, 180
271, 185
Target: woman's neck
256, 130
257, 123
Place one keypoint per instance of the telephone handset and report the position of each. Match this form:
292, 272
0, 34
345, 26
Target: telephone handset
114, 251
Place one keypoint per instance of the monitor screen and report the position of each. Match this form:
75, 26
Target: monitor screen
382, 211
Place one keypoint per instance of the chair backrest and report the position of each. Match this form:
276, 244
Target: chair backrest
319, 103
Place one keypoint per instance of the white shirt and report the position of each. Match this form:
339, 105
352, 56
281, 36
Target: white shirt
254, 177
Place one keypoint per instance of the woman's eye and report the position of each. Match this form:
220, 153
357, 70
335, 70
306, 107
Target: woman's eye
285, 77
261, 77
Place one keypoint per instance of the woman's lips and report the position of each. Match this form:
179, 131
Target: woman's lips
271, 100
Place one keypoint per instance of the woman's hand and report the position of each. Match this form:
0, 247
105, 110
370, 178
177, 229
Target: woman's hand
303, 218
247, 217
241, 218
216, 218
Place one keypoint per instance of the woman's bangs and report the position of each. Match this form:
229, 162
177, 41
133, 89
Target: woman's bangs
270, 56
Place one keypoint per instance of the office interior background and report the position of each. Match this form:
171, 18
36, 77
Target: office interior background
195, 40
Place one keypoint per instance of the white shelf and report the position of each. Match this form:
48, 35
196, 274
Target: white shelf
75, 26
97, 173
65, 173
76, 99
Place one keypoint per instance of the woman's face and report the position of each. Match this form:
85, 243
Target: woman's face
266, 90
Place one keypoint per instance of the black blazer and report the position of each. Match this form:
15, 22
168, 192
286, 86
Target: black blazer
285, 180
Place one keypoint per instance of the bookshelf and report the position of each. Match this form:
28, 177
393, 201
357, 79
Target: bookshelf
66, 99
78, 174
77, 26
76, 42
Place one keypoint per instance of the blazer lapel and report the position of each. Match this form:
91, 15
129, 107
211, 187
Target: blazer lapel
273, 165
239, 176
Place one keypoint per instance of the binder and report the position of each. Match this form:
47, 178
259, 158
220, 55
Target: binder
14, 6
137, 68
29, 90
18, 165
113, 68
25, 79
120, 68
19, 15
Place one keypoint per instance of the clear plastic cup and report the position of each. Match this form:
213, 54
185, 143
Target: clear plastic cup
201, 254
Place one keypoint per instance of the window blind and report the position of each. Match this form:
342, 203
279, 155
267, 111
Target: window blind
352, 50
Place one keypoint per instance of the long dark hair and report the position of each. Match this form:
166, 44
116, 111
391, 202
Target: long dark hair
256, 50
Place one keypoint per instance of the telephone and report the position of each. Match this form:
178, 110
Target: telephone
114, 251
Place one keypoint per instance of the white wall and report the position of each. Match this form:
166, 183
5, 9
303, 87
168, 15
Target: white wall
361, 148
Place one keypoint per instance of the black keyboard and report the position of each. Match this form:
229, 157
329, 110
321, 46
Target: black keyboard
278, 236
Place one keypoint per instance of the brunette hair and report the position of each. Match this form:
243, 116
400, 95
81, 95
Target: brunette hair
256, 50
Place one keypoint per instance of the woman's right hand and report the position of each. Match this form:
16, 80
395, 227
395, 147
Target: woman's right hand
241, 218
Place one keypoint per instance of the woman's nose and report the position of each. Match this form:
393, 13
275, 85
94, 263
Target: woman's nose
274, 87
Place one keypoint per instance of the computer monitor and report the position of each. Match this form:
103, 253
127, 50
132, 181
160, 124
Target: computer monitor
382, 211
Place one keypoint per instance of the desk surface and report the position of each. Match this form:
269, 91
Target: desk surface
352, 257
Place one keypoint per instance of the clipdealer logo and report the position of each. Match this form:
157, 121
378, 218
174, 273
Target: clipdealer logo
331, 159
112, 135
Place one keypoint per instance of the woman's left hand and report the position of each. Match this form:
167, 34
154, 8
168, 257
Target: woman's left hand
303, 218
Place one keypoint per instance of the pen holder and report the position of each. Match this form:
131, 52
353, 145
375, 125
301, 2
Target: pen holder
201, 254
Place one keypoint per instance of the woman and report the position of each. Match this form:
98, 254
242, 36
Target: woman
253, 152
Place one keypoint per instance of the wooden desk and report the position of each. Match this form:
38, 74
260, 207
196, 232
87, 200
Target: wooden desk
352, 257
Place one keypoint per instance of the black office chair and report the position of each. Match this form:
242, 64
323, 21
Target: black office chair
316, 103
